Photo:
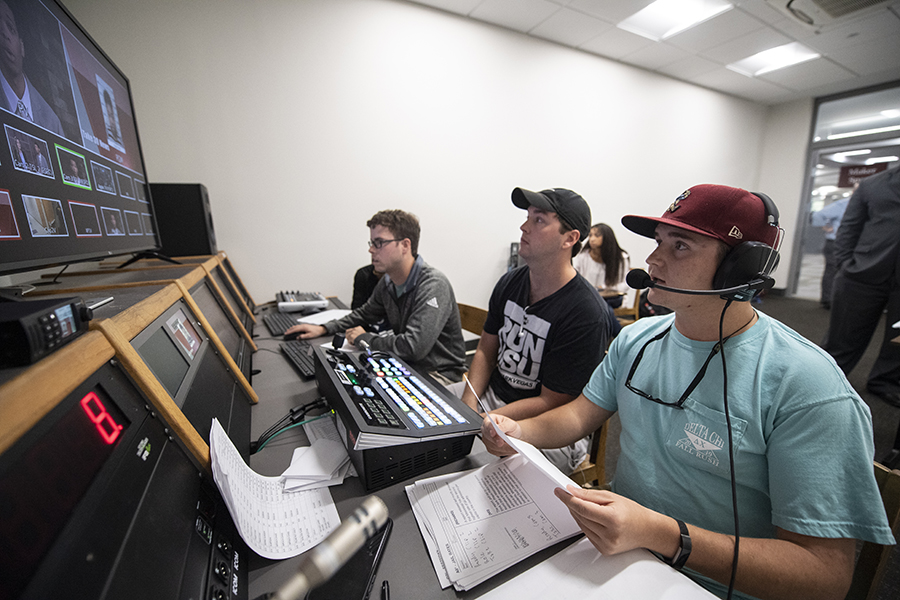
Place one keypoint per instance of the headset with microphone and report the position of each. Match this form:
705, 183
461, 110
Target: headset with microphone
743, 272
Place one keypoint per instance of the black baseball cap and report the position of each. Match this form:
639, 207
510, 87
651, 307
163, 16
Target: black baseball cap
568, 206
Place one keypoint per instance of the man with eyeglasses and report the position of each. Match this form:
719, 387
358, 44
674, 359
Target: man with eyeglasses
800, 435
416, 298
547, 326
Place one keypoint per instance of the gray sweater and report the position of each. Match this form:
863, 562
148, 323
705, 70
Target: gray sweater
426, 331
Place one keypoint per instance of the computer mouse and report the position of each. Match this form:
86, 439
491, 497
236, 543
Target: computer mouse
292, 336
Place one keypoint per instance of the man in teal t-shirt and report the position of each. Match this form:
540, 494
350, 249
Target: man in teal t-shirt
801, 437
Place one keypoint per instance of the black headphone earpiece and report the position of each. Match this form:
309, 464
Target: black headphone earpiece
749, 261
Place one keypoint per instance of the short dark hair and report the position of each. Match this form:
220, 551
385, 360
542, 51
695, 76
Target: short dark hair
402, 225
565, 227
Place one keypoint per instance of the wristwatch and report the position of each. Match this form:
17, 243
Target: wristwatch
684, 551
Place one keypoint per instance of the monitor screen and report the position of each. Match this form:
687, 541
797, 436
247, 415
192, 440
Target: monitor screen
72, 178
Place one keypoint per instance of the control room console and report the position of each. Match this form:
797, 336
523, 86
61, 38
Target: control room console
395, 422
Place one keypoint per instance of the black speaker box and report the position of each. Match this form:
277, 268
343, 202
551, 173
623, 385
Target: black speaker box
184, 219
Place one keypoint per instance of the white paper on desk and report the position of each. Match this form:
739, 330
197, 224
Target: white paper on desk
322, 464
531, 453
274, 523
294, 485
327, 429
482, 521
320, 318
896, 325
581, 572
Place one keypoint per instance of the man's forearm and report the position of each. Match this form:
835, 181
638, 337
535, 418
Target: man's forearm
563, 425
528, 407
776, 568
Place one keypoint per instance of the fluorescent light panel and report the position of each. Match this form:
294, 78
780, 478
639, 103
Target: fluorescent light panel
842, 156
881, 159
841, 136
665, 18
773, 59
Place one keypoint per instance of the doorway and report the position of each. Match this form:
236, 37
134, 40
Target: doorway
854, 137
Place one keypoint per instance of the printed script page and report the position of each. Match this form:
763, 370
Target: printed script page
274, 523
480, 522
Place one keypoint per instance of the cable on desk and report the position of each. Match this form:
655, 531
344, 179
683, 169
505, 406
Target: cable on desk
294, 415
298, 412
280, 431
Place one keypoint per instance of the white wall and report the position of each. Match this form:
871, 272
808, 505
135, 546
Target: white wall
304, 117
782, 164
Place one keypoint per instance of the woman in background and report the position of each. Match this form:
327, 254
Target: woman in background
604, 264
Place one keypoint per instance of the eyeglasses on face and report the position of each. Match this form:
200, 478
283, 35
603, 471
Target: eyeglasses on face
697, 378
379, 243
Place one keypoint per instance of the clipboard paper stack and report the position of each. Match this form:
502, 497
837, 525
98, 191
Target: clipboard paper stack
477, 523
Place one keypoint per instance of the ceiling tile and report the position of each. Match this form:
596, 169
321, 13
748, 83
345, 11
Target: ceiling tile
460, 7
521, 15
746, 87
655, 56
873, 57
761, 10
857, 51
810, 74
570, 28
615, 43
715, 31
689, 66
611, 11
746, 45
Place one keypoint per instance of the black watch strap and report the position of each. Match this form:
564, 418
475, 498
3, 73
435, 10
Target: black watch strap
685, 550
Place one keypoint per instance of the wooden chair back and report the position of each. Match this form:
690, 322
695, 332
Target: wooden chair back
874, 558
592, 471
472, 318
629, 314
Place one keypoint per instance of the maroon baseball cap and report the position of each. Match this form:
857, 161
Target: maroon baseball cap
729, 214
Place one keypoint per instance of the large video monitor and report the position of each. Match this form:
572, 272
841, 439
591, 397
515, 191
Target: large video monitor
72, 181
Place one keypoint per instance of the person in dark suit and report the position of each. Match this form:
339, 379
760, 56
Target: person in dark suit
18, 95
867, 251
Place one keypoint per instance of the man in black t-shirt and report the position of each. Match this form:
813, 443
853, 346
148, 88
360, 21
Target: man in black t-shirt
546, 329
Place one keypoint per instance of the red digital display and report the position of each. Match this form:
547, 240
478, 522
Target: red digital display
96, 411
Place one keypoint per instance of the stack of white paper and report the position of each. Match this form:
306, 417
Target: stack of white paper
322, 464
477, 523
326, 429
274, 523
581, 572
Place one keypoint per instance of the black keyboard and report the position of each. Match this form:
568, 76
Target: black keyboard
300, 353
278, 323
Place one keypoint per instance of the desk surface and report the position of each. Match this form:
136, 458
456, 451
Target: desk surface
406, 563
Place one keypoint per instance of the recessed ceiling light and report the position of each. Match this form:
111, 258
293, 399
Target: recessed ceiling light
665, 18
773, 59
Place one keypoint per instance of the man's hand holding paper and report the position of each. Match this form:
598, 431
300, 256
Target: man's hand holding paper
495, 431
